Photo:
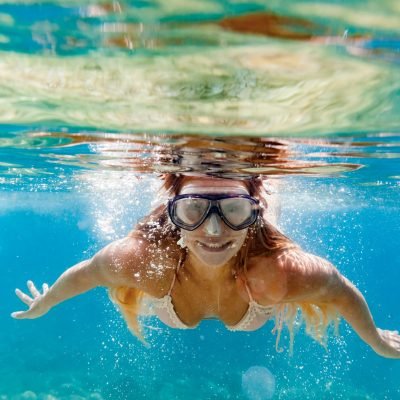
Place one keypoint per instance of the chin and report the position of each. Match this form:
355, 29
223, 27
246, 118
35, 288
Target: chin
214, 259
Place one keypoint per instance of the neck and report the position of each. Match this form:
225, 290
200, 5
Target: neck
202, 271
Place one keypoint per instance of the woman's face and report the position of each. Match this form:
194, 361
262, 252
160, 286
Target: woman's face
213, 243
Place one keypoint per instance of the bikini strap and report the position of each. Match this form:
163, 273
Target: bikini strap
180, 264
248, 291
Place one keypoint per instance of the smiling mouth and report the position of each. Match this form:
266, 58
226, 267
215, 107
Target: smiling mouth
215, 247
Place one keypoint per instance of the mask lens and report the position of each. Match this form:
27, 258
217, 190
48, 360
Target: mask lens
190, 211
237, 210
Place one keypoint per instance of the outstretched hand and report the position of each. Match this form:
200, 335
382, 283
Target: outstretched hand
35, 302
390, 343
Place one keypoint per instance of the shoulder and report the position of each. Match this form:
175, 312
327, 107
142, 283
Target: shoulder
299, 263
138, 262
122, 253
289, 275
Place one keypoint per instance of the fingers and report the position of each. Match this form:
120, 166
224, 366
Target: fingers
396, 338
32, 289
394, 342
392, 339
23, 297
45, 288
18, 315
392, 334
34, 292
29, 301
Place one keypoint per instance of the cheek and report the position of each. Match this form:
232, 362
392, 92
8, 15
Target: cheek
243, 236
186, 235
240, 238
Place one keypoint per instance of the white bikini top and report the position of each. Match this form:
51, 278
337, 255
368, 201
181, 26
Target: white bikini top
254, 318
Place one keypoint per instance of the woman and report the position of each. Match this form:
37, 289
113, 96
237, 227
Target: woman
219, 258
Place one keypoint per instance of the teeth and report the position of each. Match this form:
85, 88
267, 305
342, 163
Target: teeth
213, 245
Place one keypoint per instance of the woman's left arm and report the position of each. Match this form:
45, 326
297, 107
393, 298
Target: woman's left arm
352, 305
296, 276
313, 279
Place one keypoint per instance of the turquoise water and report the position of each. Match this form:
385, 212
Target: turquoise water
97, 99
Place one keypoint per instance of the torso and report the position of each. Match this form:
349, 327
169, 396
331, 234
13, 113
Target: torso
197, 299
194, 300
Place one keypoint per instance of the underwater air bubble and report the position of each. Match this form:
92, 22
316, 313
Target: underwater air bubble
258, 383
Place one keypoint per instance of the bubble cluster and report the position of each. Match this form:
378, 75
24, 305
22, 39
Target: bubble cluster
258, 383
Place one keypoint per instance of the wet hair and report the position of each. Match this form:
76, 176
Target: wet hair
262, 239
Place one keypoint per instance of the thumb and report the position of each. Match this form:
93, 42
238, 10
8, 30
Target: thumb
19, 315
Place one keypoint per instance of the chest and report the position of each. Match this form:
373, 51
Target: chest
197, 300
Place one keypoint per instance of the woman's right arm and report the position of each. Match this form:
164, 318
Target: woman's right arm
112, 266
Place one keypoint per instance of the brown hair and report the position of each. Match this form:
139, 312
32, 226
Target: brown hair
263, 238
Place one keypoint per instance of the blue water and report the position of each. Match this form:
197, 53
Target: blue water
83, 347
77, 170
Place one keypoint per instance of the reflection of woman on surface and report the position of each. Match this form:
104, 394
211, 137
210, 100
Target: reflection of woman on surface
219, 258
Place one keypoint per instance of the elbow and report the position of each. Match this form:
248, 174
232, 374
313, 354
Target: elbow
341, 293
86, 275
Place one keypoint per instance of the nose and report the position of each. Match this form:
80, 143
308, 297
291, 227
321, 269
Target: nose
213, 225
